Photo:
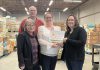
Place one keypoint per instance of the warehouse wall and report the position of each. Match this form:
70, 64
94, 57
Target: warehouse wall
58, 16
89, 12
1, 13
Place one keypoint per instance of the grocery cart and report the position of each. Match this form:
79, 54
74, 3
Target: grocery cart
95, 64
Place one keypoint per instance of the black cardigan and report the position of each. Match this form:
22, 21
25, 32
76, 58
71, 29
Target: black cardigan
74, 46
24, 49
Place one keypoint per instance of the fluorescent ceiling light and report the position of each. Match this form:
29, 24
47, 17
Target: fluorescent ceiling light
47, 9
7, 16
26, 9
75, 1
45, 12
51, 2
65, 9
35, 0
2, 8
27, 13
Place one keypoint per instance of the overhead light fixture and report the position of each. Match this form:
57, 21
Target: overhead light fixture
8, 16
65, 9
26, 9
35, 0
48, 9
27, 13
51, 2
75, 1
45, 13
2, 8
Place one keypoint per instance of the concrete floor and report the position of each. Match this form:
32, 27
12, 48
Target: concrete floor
10, 63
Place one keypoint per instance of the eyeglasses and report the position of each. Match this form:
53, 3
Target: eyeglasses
48, 17
30, 25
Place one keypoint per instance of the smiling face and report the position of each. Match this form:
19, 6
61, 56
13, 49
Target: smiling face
48, 18
71, 22
32, 11
30, 26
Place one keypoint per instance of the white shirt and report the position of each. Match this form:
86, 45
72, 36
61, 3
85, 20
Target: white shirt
44, 35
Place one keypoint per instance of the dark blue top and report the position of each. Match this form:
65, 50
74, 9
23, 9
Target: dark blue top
74, 46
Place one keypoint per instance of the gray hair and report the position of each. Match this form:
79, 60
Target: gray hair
29, 20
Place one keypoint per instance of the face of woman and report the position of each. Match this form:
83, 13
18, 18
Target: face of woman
30, 27
48, 18
71, 22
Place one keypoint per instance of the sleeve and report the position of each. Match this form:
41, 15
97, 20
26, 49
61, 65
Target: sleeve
20, 44
81, 41
41, 38
21, 28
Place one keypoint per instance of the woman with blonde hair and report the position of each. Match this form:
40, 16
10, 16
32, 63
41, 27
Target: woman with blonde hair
48, 49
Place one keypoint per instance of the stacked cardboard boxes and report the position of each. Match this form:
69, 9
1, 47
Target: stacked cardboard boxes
93, 37
8, 31
61, 24
1, 46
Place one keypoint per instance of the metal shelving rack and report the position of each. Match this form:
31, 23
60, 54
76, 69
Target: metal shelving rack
95, 64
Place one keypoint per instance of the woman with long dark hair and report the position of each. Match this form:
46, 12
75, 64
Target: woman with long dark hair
74, 44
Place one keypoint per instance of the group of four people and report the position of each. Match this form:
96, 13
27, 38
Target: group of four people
34, 50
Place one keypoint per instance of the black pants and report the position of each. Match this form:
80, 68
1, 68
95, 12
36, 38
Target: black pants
74, 65
33, 67
48, 62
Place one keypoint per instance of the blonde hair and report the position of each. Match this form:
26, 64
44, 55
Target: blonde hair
48, 13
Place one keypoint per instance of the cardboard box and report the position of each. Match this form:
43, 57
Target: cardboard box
93, 33
98, 29
97, 25
93, 41
93, 37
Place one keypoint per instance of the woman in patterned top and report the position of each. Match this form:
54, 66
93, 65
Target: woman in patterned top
27, 45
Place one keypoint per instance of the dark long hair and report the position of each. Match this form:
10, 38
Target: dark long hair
76, 23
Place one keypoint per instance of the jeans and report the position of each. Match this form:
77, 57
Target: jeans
34, 67
48, 62
74, 65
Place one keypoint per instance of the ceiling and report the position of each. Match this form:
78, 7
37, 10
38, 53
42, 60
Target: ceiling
18, 6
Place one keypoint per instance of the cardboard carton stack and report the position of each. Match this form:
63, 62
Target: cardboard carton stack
1, 46
97, 29
93, 37
61, 24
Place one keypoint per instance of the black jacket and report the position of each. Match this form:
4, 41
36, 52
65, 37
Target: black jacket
24, 50
74, 46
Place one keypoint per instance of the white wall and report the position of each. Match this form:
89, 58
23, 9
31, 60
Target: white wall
1, 14
20, 17
89, 12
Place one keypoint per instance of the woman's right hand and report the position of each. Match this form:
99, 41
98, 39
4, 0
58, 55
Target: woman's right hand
54, 45
64, 40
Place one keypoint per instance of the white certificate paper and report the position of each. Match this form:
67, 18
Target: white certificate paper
57, 36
